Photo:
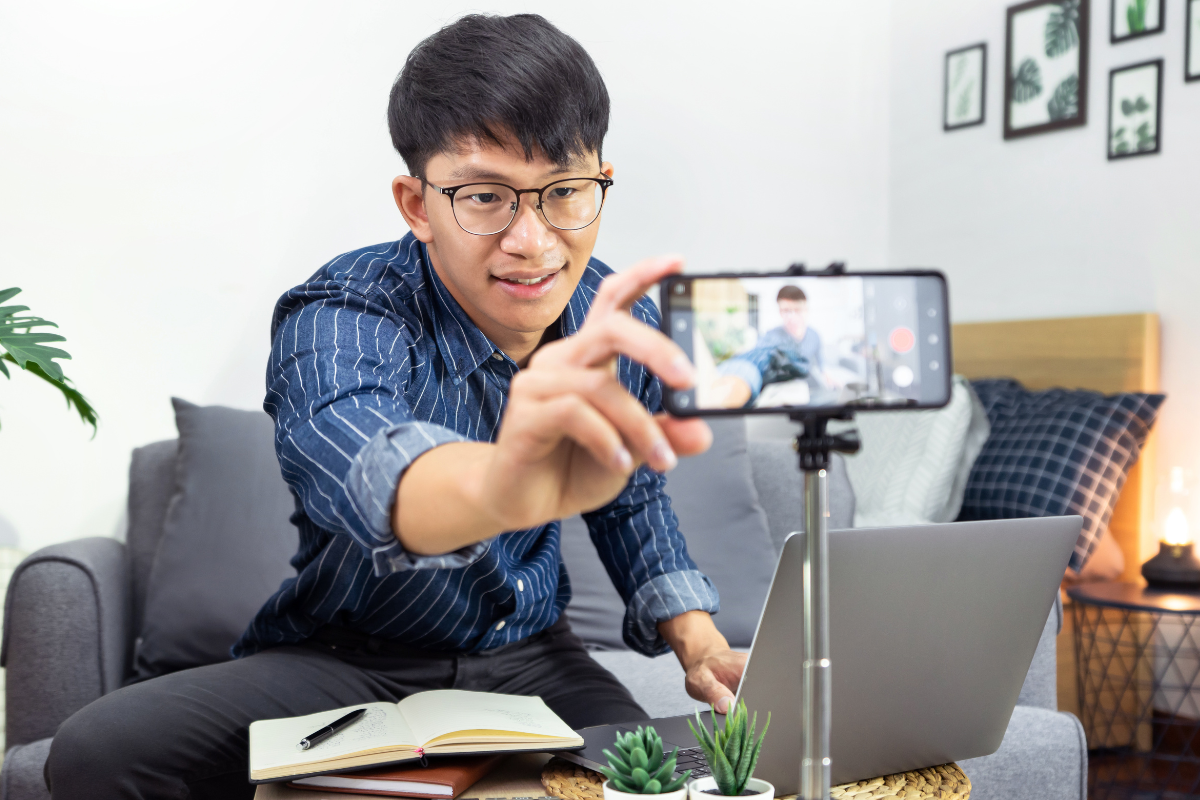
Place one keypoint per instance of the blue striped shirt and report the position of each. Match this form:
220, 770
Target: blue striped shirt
373, 363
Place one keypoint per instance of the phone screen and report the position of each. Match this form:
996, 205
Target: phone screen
771, 343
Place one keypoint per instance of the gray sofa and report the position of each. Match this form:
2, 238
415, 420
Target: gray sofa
73, 611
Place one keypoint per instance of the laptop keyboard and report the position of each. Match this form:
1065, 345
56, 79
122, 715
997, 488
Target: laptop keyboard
691, 758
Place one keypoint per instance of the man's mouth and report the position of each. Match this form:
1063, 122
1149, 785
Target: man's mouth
527, 281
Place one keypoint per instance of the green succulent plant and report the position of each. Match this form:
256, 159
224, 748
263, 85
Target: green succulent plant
20, 344
640, 766
731, 753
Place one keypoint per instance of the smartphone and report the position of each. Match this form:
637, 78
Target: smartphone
768, 343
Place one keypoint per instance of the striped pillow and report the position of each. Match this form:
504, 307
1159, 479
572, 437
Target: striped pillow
1057, 452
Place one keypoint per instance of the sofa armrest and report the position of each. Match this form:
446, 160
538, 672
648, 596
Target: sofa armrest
1041, 683
66, 633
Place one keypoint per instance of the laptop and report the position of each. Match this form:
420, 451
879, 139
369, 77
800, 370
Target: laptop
932, 629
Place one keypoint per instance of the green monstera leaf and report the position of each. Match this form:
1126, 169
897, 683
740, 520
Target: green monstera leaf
20, 344
1131, 107
1062, 28
1135, 15
1064, 103
1146, 138
1027, 83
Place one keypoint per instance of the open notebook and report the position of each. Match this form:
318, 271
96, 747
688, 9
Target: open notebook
437, 722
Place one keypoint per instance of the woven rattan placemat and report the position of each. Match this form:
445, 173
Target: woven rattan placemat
568, 781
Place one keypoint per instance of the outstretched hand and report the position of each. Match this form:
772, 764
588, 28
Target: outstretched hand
572, 434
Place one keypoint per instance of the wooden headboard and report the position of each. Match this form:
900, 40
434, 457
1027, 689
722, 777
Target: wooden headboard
1107, 354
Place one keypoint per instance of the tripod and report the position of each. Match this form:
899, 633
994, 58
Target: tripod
813, 445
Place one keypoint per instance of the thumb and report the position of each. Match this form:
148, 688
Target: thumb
716, 694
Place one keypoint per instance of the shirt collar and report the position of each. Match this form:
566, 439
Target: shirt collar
462, 345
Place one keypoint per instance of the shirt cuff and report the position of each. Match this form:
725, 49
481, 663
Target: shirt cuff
371, 484
742, 368
666, 597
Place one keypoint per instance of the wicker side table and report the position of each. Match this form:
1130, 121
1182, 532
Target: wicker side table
568, 781
1137, 662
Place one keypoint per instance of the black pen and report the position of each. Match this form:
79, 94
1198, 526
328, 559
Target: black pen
338, 725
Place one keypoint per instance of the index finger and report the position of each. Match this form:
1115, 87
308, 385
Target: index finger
619, 291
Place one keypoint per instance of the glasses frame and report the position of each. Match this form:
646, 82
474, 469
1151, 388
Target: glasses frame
450, 191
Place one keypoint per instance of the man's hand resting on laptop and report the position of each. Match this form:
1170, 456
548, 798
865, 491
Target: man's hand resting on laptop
713, 671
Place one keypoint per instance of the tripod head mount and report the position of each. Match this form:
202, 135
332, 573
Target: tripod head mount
814, 444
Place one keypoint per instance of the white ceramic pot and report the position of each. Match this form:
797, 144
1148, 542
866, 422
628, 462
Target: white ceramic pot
612, 794
699, 789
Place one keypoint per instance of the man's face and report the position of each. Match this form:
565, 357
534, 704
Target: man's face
795, 316
485, 273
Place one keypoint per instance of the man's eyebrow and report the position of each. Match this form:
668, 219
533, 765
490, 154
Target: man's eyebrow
471, 172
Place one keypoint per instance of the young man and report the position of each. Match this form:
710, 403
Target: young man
791, 350
440, 403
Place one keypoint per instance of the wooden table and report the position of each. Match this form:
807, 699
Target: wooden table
519, 778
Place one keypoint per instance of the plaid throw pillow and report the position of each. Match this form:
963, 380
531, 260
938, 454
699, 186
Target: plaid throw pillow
1057, 452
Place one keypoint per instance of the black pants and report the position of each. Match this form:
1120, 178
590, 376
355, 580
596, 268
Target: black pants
185, 735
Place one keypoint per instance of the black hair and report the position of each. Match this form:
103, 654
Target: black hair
793, 293
491, 77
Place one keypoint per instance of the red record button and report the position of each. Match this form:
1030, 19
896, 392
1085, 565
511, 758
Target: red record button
901, 339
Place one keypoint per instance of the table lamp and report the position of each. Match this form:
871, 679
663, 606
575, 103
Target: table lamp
1176, 566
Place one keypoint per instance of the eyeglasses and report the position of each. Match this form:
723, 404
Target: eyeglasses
484, 209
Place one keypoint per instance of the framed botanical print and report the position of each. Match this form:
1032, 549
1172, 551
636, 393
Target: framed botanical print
1045, 67
1135, 110
1130, 19
965, 88
1191, 46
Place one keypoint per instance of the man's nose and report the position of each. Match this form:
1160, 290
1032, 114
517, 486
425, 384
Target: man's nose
528, 234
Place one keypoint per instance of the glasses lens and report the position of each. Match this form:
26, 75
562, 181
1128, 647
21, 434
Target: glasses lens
484, 208
572, 204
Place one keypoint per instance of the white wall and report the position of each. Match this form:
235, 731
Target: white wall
168, 169
1045, 226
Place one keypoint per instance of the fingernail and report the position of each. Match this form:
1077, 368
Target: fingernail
664, 455
723, 705
622, 460
683, 369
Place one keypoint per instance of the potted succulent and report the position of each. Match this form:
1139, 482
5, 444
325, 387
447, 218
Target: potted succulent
732, 754
641, 767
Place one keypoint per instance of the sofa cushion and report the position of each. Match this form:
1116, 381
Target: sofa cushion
1057, 452
726, 531
151, 486
226, 541
913, 465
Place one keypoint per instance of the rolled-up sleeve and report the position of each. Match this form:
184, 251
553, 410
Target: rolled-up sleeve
344, 433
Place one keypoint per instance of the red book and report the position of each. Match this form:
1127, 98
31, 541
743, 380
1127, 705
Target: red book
445, 778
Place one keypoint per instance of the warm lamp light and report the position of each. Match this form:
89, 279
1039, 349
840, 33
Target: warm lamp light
1176, 566
1175, 530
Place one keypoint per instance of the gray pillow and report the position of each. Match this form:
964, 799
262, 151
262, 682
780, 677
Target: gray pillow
226, 541
726, 531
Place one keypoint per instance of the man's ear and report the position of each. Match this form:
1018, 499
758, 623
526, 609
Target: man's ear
410, 199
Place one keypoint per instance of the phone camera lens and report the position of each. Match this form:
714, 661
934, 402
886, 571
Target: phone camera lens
683, 400
681, 325
932, 312
933, 365
933, 338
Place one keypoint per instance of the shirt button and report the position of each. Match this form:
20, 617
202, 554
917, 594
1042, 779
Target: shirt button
520, 585
497, 356
500, 625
